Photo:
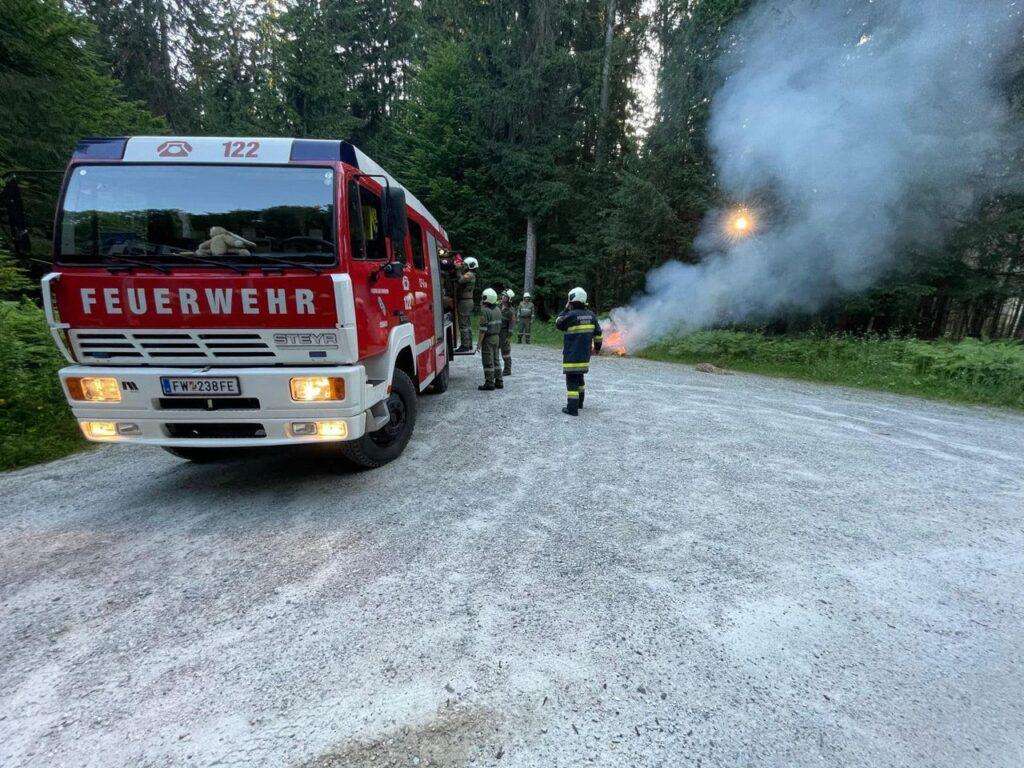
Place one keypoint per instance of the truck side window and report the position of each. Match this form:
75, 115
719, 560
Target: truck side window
373, 224
416, 238
357, 240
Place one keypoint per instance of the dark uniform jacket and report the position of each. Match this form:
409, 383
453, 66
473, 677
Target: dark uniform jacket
508, 318
467, 282
582, 332
490, 320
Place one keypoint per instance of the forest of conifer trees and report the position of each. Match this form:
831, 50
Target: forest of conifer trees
516, 121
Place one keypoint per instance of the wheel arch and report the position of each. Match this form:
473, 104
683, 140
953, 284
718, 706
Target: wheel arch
400, 353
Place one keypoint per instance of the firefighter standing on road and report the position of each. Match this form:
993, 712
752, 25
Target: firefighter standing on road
525, 318
490, 329
582, 333
508, 320
467, 284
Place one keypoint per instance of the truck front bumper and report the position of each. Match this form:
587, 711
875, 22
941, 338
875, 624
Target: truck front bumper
262, 414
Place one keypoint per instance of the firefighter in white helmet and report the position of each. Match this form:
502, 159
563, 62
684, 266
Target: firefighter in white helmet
582, 334
490, 328
467, 284
508, 321
525, 319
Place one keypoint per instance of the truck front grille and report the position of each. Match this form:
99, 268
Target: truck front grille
224, 431
180, 345
209, 403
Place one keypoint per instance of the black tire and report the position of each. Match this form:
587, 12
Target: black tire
203, 455
386, 444
440, 383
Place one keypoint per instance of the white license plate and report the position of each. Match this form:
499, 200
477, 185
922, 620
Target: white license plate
196, 386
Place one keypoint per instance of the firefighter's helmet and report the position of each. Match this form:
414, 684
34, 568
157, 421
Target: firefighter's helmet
471, 263
511, 294
489, 296
527, 296
578, 294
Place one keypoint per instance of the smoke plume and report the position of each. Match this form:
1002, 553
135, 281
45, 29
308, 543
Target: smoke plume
869, 127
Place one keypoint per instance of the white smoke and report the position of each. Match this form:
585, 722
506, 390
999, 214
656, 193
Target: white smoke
871, 126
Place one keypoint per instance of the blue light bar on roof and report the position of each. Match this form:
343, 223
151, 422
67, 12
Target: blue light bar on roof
305, 150
100, 149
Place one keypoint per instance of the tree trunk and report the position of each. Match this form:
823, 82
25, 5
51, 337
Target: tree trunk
531, 256
606, 71
1017, 329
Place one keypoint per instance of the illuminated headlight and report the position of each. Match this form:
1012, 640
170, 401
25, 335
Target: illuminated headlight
94, 389
333, 429
328, 430
316, 389
99, 430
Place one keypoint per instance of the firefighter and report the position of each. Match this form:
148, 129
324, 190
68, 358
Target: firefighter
582, 332
525, 318
467, 284
490, 329
508, 319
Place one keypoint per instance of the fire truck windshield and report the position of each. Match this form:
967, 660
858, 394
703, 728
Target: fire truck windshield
198, 214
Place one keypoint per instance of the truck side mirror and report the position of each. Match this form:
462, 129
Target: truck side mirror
15, 208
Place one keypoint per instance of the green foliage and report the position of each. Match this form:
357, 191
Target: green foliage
970, 371
35, 421
54, 87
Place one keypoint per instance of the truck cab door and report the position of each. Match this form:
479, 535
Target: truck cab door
372, 290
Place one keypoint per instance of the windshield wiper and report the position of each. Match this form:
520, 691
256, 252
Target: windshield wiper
135, 263
187, 256
266, 257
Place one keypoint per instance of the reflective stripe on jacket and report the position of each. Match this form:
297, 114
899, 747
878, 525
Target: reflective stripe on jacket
490, 320
582, 334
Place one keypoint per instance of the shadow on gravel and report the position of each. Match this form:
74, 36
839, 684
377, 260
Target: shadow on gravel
456, 738
265, 488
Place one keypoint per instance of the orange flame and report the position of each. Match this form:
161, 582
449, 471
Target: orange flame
614, 342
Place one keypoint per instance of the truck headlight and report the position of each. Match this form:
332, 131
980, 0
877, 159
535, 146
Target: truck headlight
99, 430
94, 389
315, 389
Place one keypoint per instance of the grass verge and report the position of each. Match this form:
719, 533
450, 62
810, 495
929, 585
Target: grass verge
970, 371
35, 421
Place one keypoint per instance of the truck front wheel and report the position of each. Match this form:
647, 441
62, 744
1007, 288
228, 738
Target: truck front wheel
386, 444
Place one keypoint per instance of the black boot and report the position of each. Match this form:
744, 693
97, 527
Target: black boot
486, 387
507, 371
570, 411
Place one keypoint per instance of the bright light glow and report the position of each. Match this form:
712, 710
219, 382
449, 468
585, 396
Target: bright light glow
333, 429
94, 389
99, 430
741, 223
315, 389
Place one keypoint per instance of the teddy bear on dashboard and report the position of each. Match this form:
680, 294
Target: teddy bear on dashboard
222, 242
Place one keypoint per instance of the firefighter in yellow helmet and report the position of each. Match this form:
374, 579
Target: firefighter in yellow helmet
490, 328
466, 285
508, 321
525, 321
582, 334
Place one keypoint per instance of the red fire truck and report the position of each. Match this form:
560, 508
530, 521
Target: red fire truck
218, 293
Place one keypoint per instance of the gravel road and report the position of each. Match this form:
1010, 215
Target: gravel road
701, 570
